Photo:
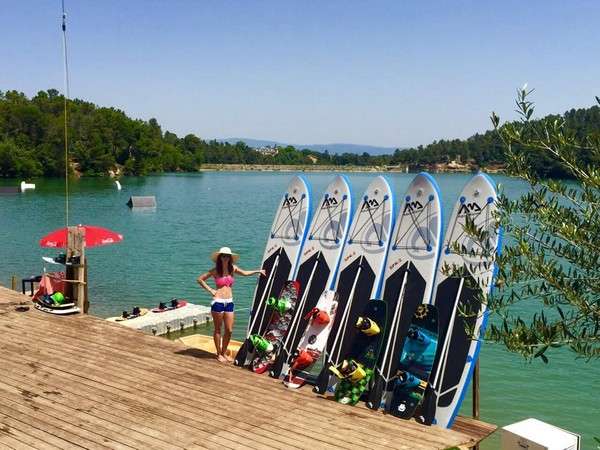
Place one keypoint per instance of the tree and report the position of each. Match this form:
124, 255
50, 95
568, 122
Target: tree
553, 255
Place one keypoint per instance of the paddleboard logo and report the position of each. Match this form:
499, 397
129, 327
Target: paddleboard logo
412, 206
467, 208
329, 202
370, 204
290, 201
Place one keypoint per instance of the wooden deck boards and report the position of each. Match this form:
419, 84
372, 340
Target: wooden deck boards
78, 381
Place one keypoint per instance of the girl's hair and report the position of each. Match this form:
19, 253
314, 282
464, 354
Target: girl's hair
219, 266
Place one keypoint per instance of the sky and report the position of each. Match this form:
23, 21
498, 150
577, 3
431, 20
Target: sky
387, 73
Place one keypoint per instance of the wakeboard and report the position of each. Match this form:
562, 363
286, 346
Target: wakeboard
313, 341
283, 309
173, 304
355, 371
134, 314
416, 361
57, 311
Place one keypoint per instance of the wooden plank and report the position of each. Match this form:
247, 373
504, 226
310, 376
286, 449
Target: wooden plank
65, 430
30, 435
359, 437
162, 393
336, 442
100, 422
346, 409
223, 418
192, 418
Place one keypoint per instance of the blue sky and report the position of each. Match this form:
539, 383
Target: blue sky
390, 73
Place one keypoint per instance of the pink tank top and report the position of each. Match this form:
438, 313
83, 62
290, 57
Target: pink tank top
227, 280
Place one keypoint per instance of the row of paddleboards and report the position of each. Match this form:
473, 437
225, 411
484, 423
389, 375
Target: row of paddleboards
370, 306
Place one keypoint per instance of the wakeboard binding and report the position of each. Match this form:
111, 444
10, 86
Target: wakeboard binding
367, 326
318, 316
281, 305
349, 370
262, 345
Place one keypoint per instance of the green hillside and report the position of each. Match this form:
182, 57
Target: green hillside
103, 139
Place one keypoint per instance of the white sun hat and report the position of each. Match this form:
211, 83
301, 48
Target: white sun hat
224, 251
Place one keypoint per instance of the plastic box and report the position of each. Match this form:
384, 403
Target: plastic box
533, 434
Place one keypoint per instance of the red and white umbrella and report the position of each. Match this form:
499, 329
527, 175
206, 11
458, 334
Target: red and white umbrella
94, 237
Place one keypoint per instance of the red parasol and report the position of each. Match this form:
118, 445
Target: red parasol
94, 236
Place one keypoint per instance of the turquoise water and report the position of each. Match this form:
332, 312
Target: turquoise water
164, 251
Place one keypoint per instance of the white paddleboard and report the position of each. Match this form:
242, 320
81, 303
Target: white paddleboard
318, 262
281, 256
409, 273
457, 353
361, 267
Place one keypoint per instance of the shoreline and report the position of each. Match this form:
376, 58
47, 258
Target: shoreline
436, 168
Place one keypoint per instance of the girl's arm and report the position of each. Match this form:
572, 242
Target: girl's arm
246, 273
202, 282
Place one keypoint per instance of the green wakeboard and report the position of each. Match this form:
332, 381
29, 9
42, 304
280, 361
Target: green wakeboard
356, 370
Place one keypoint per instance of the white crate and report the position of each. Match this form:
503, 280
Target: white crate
533, 434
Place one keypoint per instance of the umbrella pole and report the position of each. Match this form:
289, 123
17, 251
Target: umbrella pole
77, 288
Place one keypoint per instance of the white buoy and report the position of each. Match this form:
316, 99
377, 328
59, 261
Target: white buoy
27, 186
118, 184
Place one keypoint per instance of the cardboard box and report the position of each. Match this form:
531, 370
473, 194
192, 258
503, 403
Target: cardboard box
533, 434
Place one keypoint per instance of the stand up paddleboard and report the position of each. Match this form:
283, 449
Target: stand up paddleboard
361, 271
356, 369
465, 276
280, 260
409, 275
318, 263
283, 310
320, 321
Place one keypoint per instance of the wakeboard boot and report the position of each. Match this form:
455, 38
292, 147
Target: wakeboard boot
280, 305
318, 316
260, 344
349, 370
367, 326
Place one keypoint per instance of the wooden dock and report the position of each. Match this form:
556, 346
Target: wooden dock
82, 382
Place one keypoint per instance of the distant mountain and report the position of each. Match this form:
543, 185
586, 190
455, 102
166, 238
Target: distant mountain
331, 148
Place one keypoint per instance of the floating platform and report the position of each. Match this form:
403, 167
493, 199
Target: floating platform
78, 381
142, 201
164, 322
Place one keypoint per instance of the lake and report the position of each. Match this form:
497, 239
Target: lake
164, 251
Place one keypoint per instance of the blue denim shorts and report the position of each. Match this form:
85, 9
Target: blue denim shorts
221, 305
